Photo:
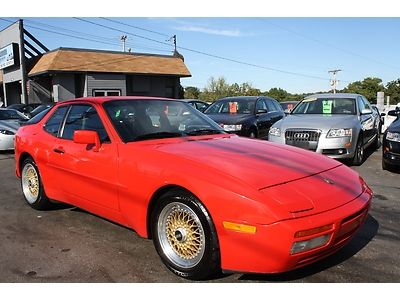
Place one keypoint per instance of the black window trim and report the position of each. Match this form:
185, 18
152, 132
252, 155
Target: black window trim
61, 123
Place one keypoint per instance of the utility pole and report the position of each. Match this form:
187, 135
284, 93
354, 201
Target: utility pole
123, 39
172, 38
334, 82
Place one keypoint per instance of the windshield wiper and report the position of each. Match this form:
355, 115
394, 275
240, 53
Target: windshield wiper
158, 135
204, 131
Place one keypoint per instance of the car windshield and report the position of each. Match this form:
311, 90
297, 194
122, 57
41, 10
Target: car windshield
136, 120
326, 106
232, 106
10, 114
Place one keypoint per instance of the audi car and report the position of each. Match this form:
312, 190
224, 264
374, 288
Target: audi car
10, 121
340, 126
209, 200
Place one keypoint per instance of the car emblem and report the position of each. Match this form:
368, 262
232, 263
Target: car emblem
301, 135
327, 180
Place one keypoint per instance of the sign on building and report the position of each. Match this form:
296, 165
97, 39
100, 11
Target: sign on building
8, 56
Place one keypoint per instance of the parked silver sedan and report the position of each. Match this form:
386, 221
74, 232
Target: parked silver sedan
10, 120
337, 125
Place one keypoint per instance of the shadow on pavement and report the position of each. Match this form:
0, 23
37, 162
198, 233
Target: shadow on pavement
359, 241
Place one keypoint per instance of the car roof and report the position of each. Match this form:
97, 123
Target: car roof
101, 100
333, 95
243, 98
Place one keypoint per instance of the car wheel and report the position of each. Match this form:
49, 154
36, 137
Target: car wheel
359, 153
184, 236
32, 187
253, 134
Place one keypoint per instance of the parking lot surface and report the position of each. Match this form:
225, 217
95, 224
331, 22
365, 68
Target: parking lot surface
67, 244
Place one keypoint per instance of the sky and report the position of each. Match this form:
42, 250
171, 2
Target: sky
292, 53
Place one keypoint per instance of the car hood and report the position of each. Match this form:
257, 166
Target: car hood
395, 126
229, 118
259, 164
322, 122
11, 125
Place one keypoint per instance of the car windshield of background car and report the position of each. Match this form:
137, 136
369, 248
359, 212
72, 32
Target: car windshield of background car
232, 107
9, 114
326, 106
137, 120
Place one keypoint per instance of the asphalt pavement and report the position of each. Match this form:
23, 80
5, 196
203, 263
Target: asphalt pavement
67, 244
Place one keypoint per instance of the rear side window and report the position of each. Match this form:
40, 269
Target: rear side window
270, 105
53, 124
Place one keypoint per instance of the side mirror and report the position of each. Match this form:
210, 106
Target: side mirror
394, 113
87, 137
366, 111
383, 114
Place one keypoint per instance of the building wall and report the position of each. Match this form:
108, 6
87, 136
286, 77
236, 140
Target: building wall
63, 87
156, 86
106, 82
16, 73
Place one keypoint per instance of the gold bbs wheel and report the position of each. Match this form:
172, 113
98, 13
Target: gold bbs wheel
181, 235
30, 183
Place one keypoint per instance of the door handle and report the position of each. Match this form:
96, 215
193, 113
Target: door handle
59, 150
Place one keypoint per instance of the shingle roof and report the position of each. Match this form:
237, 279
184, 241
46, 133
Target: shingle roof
83, 60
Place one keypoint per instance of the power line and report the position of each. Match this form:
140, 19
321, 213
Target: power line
326, 44
207, 54
99, 39
136, 27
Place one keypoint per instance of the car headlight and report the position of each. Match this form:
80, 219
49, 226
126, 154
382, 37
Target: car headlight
6, 132
338, 133
393, 136
275, 131
232, 127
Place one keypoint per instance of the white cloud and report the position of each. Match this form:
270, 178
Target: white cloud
223, 32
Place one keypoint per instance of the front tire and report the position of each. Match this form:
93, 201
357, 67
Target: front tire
184, 236
32, 187
359, 153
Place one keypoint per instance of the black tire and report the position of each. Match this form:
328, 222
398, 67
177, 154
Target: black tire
176, 249
253, 133
358, 157
384, 165
32, 186
377, 142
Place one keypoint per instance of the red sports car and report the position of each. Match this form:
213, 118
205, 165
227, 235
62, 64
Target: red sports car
208, 199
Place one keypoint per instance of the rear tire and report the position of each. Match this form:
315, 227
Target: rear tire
32, 187
184, 236
253, 134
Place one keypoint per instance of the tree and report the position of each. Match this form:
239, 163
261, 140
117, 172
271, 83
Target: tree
393, 90
216, 89
278, 94
368, 88
192, 92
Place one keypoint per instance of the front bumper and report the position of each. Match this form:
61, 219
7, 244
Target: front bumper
391, 152
339, 148
6, 142
268, 250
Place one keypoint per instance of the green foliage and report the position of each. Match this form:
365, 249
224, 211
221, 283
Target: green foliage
218, 88
368, 88
393, 90
192, 92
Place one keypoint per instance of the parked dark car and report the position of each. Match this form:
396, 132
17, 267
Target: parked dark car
198, 104
24, 108
250, 116
288, 106
391, 143
39, 109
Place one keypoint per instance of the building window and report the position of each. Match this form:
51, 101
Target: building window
106, 93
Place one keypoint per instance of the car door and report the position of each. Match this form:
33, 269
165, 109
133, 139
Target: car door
87, 176
367, 120
263, 118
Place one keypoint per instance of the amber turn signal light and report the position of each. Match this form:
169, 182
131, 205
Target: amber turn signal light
239, 227
313, 231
